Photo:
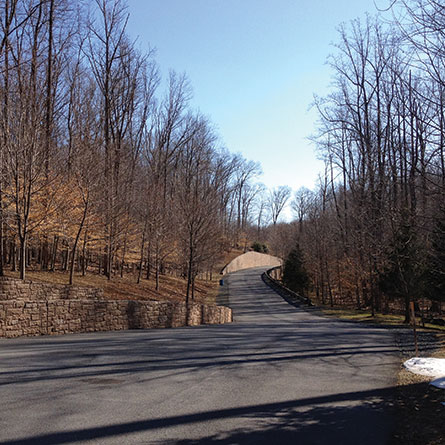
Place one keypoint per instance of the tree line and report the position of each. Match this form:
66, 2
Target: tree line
100, 169
373, 231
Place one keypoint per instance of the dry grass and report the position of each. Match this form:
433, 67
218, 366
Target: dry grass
382, 319
170, 288
126, 288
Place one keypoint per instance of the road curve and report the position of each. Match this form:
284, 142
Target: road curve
277, 375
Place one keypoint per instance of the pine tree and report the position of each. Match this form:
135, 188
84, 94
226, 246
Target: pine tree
259, 247
435, 270
295, 276
403, 276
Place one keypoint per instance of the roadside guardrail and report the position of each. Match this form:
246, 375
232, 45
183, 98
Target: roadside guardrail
289, 295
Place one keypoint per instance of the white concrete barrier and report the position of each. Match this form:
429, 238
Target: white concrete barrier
251, 259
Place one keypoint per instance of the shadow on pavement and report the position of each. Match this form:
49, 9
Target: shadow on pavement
271, 338
275, 345
304, 421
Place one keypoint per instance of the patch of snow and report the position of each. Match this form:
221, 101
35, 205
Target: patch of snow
430, 367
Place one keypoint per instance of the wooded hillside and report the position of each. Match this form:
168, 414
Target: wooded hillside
99, 169
373, 232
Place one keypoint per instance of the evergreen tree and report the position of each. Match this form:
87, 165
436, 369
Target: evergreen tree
435, 270
404, 274
295, 276
259, 247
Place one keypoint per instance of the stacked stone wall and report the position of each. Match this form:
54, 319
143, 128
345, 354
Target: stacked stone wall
13, 289
28, 309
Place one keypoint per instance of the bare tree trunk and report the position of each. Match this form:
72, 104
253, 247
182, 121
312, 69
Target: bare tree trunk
22, 263
357, 289
5, 122
141, 260
108, 260
157, 272
54, 253
189, 272
84, 259
79, 231
328, 282
193, 287
124, 249
13, 256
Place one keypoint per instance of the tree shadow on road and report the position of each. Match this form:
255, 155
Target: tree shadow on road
316, 420
318, 425
334, 419
406, 415
277, 348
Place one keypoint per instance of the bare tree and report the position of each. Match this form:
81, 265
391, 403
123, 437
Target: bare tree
106, 42
94, 160
301, 205
278, 198
261, 207
24, 154
245, 192
198, 201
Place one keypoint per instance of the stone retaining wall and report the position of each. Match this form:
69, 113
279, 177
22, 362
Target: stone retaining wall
251, 259
14, 289
47, 314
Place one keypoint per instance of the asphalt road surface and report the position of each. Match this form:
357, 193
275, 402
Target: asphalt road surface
278, 375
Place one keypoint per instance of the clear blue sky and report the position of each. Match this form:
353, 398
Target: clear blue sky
254, 66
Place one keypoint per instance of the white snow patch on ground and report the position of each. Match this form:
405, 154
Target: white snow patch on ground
430, 367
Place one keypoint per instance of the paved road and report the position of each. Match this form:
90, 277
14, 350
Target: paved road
278, 375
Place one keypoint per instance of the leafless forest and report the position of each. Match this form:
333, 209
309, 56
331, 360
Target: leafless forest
106, 168
373, 231
102, 170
